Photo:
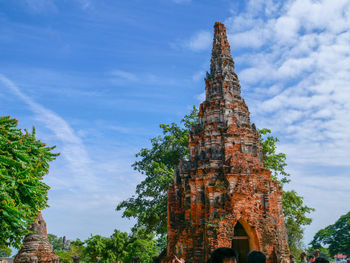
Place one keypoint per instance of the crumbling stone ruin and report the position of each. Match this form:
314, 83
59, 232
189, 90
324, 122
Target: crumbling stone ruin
223, 196
36, 246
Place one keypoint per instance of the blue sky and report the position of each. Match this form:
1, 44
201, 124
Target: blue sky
97, 77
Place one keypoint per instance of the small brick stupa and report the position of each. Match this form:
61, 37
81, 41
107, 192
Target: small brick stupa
223, 196
36, 246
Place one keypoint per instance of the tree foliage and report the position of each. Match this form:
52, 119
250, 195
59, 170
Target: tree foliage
336, 237
96, 246
119, 247
276, 162
141, 244
295, 217
157, 163
294, 209
23, 163
58, 243
67, 249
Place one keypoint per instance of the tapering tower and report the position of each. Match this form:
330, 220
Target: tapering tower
223, 196
36, 246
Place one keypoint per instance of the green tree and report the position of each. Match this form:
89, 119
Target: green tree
68, 251
56, 242
73, 251
5, 251
23, 163
294, 209
115, 247
276, 162
295, 217
336, 237
95, 247
107, 249
76, 249
64, 255
141, 244
158, 163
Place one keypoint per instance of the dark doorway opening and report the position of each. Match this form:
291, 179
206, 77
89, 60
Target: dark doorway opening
240, 243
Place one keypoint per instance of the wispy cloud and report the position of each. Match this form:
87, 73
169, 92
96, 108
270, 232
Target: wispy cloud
295, 67
310, 59
200, 97
73, 149
124, 75
118, 76
85, 4
49, 6
325, 193
41, 6
199, 41
182, 1
198, 75
130, 130
81, 184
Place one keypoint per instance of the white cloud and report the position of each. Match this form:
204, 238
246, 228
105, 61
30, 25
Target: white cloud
287, 28
130, 130
253, 38
182, 1
84, 178
73, 149
201, 97
40, 6
297, 71
198, 75
327, 193
85, 4
124, 75
200, 41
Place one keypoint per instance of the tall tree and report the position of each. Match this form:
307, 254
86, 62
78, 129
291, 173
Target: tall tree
107, 249
96, 246
141, 244
58, 243
67, 249
276, 162
120, 247
294, 209
24, 161
158, 163
117, 244
336, 237
5, 251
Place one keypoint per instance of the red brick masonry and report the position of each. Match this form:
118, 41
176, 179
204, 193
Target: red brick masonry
36, 246
224, 181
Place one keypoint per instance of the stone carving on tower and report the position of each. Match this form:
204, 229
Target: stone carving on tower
36, 246
223, 196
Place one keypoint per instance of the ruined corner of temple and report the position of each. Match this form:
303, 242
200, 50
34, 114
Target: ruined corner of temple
223, 196
36, 247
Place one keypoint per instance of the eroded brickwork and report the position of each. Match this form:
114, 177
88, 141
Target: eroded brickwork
224, 182
36, 246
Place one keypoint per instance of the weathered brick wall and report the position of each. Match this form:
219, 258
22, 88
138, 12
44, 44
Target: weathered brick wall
224, 182
36, 246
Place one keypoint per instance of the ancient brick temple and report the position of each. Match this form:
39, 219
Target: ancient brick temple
223, 196
36, 246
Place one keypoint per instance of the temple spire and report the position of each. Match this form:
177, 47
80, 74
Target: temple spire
222, 82
221, 53
223, 187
